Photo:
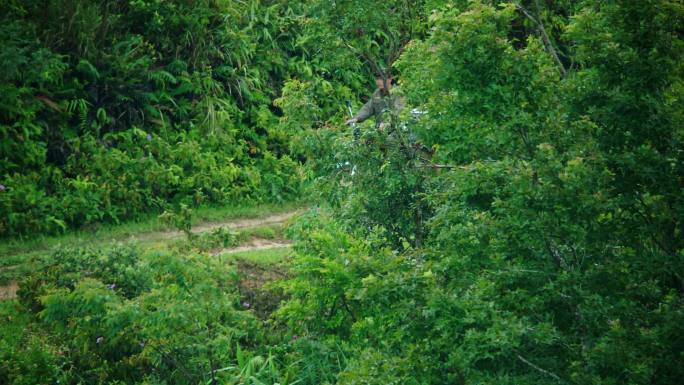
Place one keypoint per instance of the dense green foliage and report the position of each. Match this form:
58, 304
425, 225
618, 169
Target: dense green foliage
110, 109
519, 223
123, 316
548, 246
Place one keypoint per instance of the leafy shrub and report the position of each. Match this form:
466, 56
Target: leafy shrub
126, 316
33, 358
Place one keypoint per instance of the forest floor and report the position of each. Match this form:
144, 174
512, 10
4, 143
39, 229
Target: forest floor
256, 243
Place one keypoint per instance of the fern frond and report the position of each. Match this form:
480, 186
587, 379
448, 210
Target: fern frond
161, 78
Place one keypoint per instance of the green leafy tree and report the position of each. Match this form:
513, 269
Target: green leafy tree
552, 254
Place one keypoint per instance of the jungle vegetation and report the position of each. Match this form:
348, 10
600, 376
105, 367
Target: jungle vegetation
520, 222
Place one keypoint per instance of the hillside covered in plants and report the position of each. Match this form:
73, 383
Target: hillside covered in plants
112, 109
515, 219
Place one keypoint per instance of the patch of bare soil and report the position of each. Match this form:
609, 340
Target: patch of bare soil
9, 291
234, 224
263, 299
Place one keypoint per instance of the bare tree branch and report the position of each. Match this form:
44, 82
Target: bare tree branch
537, 368
545, 37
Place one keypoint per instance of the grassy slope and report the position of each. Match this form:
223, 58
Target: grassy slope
13, 253
108, 233
264, 258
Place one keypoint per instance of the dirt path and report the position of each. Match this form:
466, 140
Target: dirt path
9, 290
232, 224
